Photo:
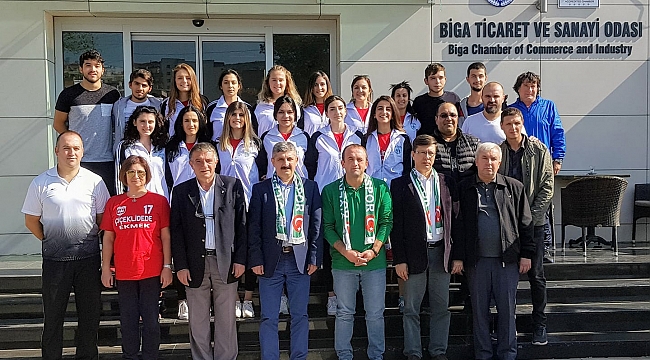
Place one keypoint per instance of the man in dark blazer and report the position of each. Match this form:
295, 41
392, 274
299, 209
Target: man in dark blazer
208, 230
421, 240
284, 248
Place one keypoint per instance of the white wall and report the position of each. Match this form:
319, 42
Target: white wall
603, 100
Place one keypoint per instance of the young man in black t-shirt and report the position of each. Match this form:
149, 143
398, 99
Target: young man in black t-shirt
86, 108
426, 105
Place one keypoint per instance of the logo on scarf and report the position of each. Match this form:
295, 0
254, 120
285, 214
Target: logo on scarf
370, 223
297, 223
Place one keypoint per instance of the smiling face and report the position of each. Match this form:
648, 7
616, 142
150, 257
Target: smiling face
355, 161
336, 111
92, 70
69, 150
401, 99
361, 91
236, 119
204, 163
286, 116
384, 112
277, 83
285, 164
230, 86
447, 119
320, 89
191, 123
183, 81
145, 123
140, 88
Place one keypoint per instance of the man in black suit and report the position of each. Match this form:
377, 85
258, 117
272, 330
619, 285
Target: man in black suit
285, 248
208, 229
421, 239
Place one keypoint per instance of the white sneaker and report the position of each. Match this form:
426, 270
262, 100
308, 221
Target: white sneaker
247, 309
331, 305
238, 312
183, 310
284, 305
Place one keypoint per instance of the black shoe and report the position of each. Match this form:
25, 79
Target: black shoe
439, 357
548, 260
413, 357
539, 336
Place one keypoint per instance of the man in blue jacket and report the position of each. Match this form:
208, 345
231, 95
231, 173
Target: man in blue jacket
285, 248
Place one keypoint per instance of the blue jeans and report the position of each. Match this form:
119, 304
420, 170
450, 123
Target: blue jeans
271, 288
373, 288
414, 288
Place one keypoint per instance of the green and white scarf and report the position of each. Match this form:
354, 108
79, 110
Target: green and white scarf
369, 197
297, 232
426, 202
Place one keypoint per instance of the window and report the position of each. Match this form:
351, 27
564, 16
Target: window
302, 55
108, 44
162, 54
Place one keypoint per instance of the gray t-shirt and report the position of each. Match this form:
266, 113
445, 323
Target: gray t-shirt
89, 114
489, 225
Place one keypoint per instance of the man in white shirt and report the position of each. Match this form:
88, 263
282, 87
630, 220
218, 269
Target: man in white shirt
486, 125
63, 208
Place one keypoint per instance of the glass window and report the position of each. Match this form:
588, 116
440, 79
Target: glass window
158, 55
245, 57
108, 44
302, 55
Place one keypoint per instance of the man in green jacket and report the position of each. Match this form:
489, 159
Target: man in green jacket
357, 218
529, 161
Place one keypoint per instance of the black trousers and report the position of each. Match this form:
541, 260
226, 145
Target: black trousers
59, 279
139, 298
538, 280
104, 169
250, 280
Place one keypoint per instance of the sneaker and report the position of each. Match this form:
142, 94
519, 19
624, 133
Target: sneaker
247, 310
539, 336
284, 305
182, 310
331, 305
400, 304
238, 308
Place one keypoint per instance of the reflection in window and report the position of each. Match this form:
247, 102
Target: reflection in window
302, 55
245, 57
158, 55
108, 44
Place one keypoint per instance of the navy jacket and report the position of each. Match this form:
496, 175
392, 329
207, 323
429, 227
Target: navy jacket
188, 230
263, 247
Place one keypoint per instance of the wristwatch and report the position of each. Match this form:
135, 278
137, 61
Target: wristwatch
168, 266
559, 161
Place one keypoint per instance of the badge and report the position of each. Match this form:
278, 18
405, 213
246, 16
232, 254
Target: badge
121, 210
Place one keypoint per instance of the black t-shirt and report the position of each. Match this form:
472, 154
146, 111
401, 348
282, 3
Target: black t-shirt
426, 108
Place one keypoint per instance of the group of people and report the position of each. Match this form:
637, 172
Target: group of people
447, 185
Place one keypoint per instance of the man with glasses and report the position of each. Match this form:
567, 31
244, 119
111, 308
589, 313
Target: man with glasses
208, 230
63, 208
421, 239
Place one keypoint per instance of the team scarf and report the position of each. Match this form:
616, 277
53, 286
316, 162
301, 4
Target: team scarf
426, 202
297, 234
369, 198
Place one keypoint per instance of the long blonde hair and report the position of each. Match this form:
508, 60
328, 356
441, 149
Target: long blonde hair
195, 93
226, 134
266, 95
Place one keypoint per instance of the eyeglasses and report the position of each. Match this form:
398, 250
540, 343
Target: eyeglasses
448, 115
140, 173
428, 154
198, 212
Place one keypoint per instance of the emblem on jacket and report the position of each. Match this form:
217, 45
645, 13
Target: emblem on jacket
500, 3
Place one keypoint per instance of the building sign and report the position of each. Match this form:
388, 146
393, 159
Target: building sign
500, 3
578, 3
515, 39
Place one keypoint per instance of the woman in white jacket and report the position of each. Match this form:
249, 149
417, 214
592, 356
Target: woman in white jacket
230, 84
238, 148
278, 82
387, 144
401, 93
358, 109
144, 136
318, 89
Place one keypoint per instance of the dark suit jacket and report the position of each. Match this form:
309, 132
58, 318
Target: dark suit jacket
263, 247
188, 230
408, 237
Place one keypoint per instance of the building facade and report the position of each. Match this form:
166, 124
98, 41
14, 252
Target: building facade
593, 62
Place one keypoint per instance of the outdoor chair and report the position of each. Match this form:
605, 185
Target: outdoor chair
641, 205
590, 202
